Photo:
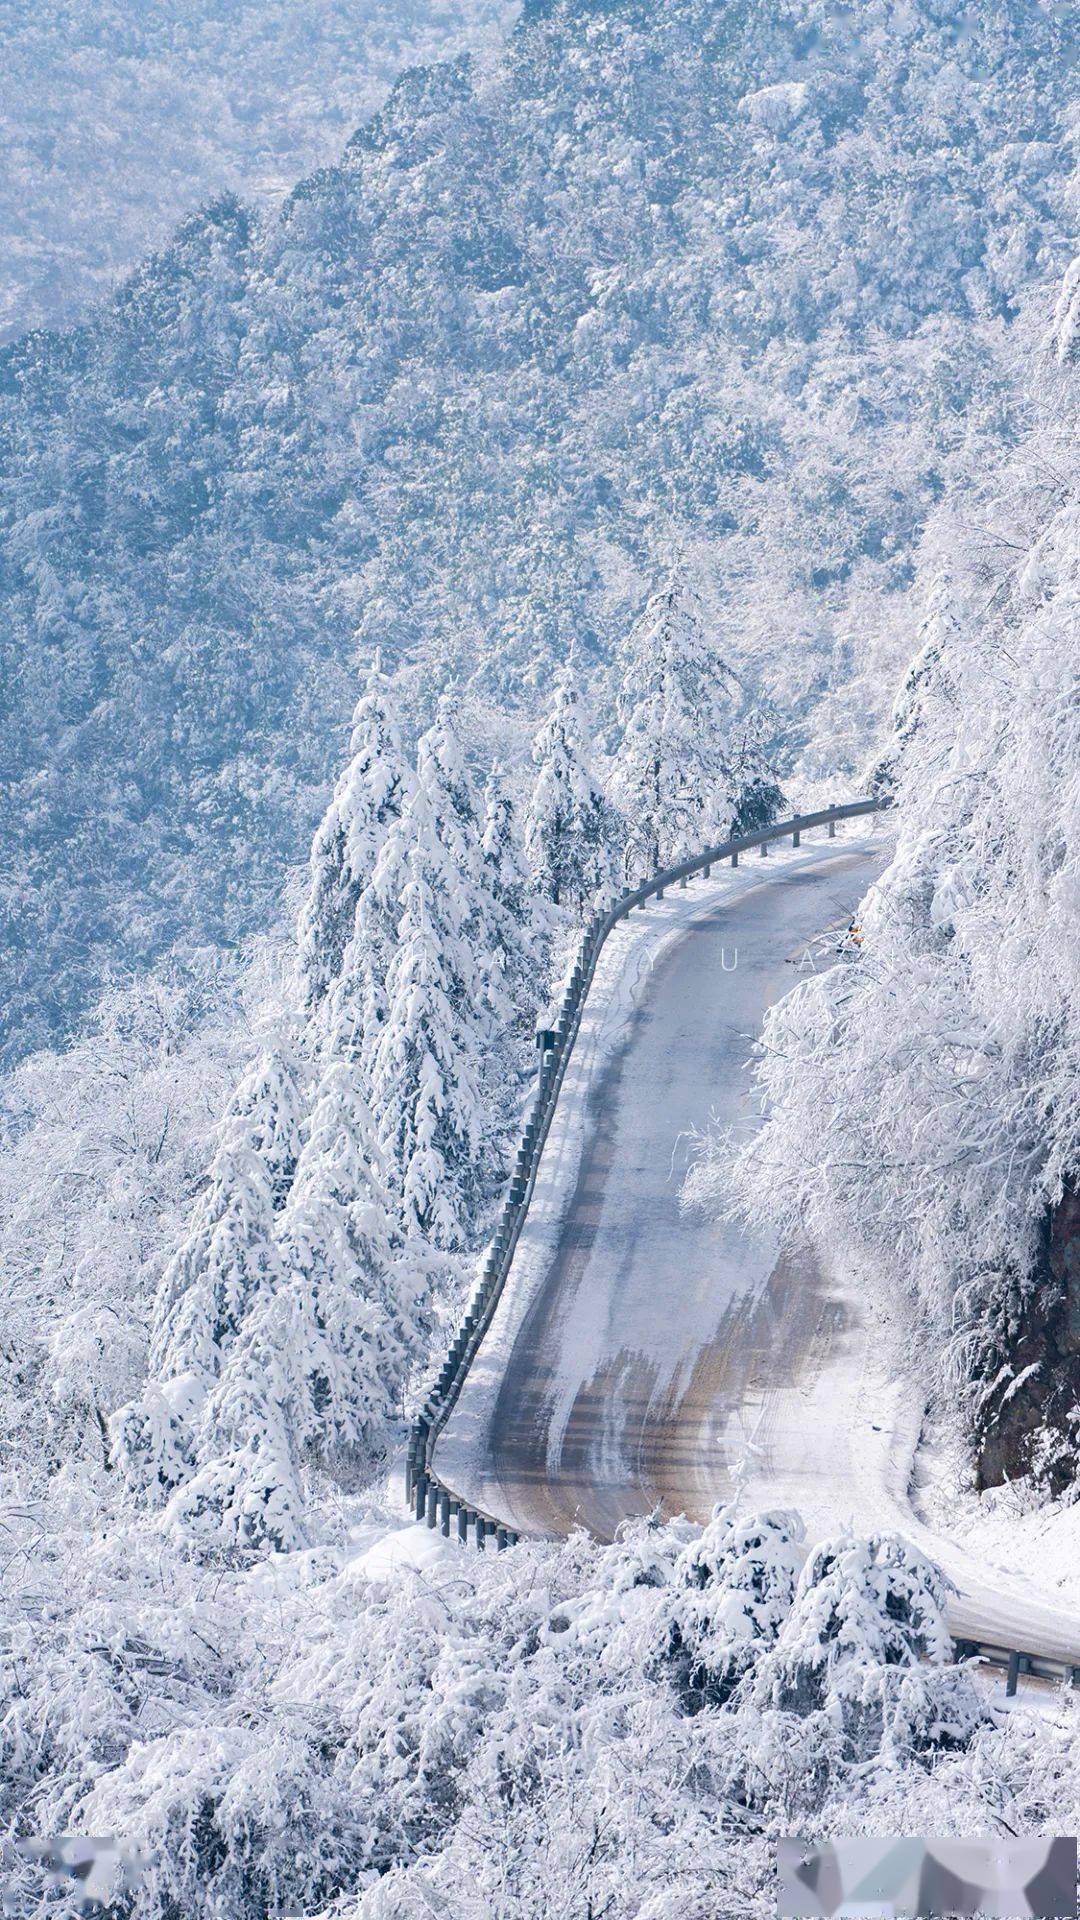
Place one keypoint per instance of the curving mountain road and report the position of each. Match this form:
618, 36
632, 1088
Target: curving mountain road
645, 1356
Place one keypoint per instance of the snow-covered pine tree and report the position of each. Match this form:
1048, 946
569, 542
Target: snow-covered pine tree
369, 796
208, 1286
440, 1007
674, 777
759, 798
208, 1290
318, 1374
571, 830
520, 933
244, 1491
354, 1300
266, 1115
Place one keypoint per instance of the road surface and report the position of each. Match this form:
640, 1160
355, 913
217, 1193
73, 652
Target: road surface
645, 1356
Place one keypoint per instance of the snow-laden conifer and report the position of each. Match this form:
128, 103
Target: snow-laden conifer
864, 1609
368, 797
926, 679
518, 923
353, 1327
675, 777
571, 830
318, 1373
425, 1076
227, 1261
357, 1006
208, 1286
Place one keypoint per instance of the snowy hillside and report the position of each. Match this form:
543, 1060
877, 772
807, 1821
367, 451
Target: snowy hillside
747, 283
119, 120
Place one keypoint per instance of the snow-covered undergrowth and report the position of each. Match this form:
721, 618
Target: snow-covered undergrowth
922, 1098
553, 1731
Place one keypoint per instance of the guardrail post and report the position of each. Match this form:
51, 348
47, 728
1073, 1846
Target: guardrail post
444, 1514
420, 1496
481, 1529
500, 1538
432, 1503
463, 1525
1012, 1676
832, 829
764, 849
795, 838
734, 859
707, 870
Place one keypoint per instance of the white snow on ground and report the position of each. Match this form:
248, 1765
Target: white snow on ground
1005, 1526
630, 953
840, 1447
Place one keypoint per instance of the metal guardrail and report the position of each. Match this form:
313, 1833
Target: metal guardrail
436, 1503
430, 1498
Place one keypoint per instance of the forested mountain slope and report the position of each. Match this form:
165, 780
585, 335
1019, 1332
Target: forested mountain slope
740, 277
117, 121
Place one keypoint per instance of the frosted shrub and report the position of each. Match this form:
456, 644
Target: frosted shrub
731, 1593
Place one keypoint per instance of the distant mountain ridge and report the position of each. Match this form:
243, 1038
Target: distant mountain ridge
743, 279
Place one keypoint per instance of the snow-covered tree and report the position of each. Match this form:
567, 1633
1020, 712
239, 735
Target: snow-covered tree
732, 1591
517, 918
448, 1053
865, 1608
759, 796
927, 678
227, 1262
242, 1489
425, 1075
674, 778
571, 830
354, 1311
207, 1289
318, 1372
368, 797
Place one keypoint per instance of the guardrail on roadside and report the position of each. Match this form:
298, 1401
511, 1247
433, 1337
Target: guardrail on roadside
432, 1501
436, 1503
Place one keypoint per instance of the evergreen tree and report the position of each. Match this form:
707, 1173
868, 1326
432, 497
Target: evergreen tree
353, 1322
571, 830
732, 1592
760, 799
675, 778
266, 1116
246, 1492
927, 677
369, 796
864, 1608
440, 999
520, 938
318, 1373
227, 1262
227, 1255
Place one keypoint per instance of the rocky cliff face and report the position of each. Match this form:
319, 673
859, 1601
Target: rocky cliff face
1030, 1423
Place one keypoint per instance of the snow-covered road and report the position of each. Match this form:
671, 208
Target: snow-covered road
643, 1354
